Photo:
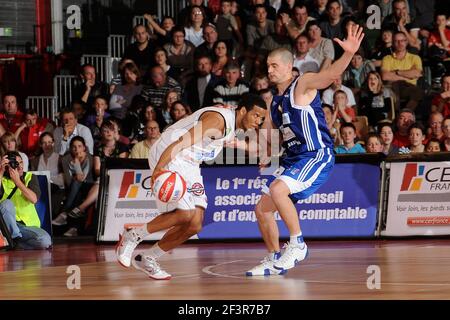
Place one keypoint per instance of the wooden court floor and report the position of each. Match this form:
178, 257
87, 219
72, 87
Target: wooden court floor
409, 269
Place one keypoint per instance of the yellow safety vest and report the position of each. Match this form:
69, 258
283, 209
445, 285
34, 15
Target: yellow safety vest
25, 209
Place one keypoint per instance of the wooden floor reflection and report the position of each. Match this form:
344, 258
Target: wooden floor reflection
409, 269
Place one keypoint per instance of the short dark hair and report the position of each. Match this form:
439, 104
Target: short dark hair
77, 138
250, 100
417, 125
347, 125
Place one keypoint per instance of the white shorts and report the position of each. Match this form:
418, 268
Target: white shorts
195, 194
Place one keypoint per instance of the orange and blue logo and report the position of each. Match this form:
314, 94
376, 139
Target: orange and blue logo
130, 185
412, 177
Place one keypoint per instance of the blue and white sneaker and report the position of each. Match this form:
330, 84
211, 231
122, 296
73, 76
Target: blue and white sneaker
265, 268
293, 255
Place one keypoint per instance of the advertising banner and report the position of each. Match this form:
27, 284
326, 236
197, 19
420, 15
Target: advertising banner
345, 206
419, 199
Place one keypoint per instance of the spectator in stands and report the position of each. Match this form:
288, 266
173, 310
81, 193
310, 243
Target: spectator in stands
333, 123
141, 50
19, 192
161, 59
140, 110
327, 95
441, 101
439, 47
69, 129
80, 109
180, 54
345, 113
199, 91
9, 143
163, 114
405, 119
297, 25
400, 20
422, 12
142, 148
322, 49
386, 131
194, 26
11, 118
206, 48
89, 87
403, 69
49, 160
433, 145
267, 96
279, 39
383, 47
271, 12
259, 28
29, 132
220, 58
179, 110
374, 143
123, 93
416, 134
446, 128
376, 101
117, 78
302, 55
95, 121
435, 127
331, 27
183, 15
318, 9
357, 72
348, 134
160, 84
78, 173
164, 32
230, 89
259, 82
227, 27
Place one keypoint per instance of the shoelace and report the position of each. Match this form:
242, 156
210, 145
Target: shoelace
266, 260
134, 238
287, 253
153, 264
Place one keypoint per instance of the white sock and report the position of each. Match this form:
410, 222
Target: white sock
297, 239
155, 252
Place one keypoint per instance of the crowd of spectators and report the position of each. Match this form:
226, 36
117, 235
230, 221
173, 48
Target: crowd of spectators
208, 55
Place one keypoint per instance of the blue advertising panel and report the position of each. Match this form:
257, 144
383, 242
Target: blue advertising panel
345, 206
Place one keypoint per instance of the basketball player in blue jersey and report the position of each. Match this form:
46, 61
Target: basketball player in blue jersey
296, 111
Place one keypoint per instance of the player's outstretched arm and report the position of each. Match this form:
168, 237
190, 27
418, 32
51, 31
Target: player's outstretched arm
324, 78
210, 124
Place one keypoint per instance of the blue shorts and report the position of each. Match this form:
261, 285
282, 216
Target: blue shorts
304, 176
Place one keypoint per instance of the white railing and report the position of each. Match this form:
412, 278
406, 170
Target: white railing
45, 106
63, 87
102, 64
139, 20
116, 45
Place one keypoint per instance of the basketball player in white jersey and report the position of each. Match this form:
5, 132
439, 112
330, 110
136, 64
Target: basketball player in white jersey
181, 148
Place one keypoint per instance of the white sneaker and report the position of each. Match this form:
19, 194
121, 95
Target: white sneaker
265, 268
60, 220
128, 241
72, 232
292, 256
150, 267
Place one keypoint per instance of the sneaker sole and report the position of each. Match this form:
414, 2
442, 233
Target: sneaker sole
146, 272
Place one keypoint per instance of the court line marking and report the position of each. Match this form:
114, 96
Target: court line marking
207, 270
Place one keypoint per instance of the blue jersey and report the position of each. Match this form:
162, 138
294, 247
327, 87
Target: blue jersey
304, 128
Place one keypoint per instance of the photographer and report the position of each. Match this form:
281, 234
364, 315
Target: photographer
19, 193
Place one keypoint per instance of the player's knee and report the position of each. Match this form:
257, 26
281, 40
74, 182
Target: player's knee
185, 217
195, 227
278, 189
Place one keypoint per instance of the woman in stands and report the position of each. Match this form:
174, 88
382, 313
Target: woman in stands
9, 143
386, 131
194, 26
220, 58
161, 59
376, 100
78, 173
123, 93
179, 111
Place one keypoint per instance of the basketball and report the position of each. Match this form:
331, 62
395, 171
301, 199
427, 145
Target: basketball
169, 186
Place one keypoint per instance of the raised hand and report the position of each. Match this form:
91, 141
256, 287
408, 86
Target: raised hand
354, 37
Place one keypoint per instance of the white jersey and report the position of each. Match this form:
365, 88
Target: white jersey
205, 150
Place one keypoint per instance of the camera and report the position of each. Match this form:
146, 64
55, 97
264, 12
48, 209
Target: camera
13, 163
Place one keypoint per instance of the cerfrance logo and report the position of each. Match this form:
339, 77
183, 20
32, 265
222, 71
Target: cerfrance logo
130, 185
412, 177
197, 189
